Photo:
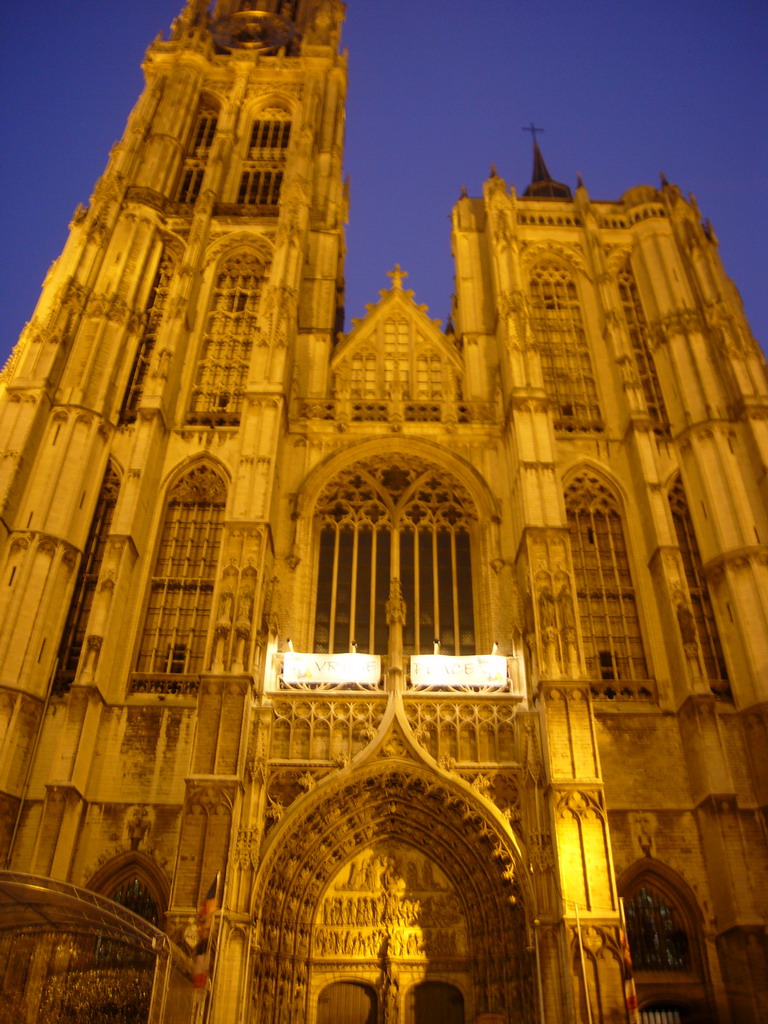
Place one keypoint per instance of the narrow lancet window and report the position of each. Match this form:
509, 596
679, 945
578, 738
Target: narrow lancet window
639, 336
173, 639
222, 370
264, 166
156, 306
73, 638
196, 161
698, 591
610, 622
566, 364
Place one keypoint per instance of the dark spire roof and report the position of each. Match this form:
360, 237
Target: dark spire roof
543, 186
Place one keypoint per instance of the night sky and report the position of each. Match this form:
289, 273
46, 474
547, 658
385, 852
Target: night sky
439, 90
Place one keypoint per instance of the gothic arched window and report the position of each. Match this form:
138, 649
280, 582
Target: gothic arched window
156, 305
73, 638
637, 326
193, 171
703, 613
135, 896
664, 932
222, 371
403, 522
610, 623
264, 164
566, 365
183, 578
658, 939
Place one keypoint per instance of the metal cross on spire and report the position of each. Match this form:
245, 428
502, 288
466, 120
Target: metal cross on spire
532, 129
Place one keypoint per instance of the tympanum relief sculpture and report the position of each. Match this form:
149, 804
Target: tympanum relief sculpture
390, 900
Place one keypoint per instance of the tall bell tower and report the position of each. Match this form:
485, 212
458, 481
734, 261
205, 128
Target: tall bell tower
158, 361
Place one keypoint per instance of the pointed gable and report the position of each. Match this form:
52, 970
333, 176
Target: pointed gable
396, 354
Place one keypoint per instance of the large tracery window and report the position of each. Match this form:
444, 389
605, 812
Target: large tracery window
73, 637
394, 522
637, 326
156, 305
181, 590
193, 171
222, 371
703, 613
262, 175
566, 364
610, 624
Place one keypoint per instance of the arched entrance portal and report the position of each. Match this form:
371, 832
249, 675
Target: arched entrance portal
399, 884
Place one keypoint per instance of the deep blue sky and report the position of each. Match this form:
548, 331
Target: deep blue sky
439, 90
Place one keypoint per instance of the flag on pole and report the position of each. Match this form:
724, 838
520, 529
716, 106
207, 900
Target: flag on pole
204, 924
630, 993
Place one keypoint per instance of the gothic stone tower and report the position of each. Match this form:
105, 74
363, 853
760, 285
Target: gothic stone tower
198, 465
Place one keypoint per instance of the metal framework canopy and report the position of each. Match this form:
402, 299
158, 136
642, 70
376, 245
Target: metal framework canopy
68, 954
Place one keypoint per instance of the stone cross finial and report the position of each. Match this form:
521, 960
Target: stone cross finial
397, 276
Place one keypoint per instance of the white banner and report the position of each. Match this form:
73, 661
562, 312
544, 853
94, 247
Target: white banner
331, 669
486, 670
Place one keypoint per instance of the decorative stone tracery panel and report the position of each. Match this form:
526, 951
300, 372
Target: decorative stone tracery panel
460, 731
323, 730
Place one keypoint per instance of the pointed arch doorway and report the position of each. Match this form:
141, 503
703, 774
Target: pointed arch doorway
394, 885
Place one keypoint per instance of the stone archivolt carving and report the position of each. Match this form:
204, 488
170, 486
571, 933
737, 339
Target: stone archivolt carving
368, 850
569, 254
284, 785
502, 787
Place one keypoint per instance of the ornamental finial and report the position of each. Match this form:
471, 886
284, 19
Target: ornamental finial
397, 276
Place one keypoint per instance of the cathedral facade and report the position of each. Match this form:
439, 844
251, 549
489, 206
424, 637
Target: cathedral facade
435, 656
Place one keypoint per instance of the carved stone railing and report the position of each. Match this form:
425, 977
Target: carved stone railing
347, 410
167, 685
604, 690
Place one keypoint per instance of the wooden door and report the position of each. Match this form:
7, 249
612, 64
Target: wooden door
435, 1002
347, 1002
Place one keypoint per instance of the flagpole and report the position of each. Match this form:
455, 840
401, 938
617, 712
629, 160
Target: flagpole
630, 992
206, 919
583, 964
220, 914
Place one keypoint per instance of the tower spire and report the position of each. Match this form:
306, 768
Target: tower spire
542, 183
